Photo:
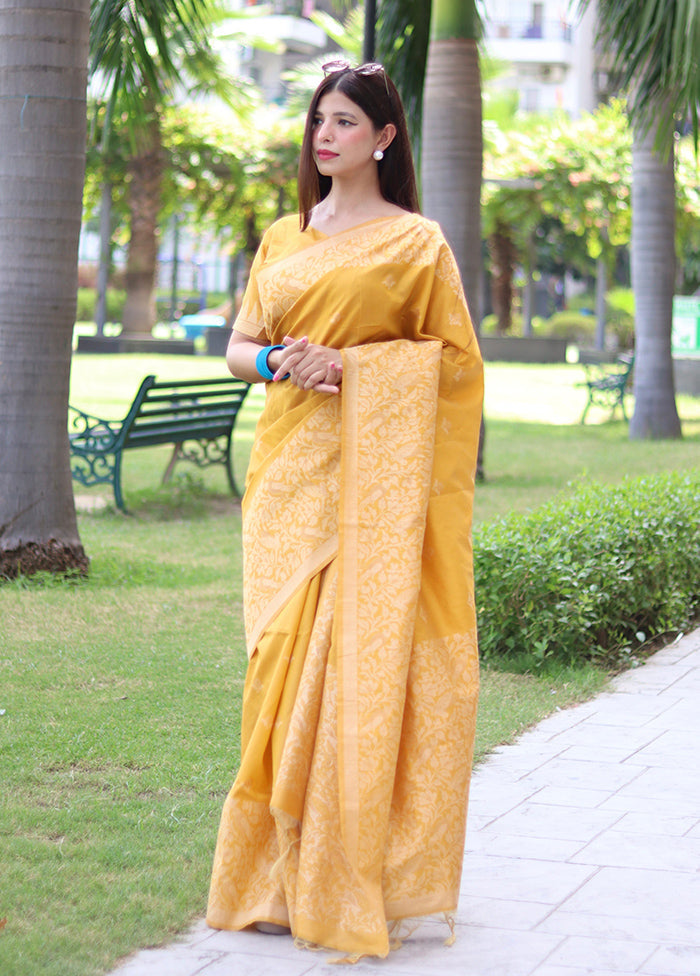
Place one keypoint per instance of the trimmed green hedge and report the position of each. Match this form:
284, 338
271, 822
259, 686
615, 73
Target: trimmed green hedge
87, 300
573, 326
591, 575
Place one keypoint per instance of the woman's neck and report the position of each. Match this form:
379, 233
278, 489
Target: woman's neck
351, 198
349, 204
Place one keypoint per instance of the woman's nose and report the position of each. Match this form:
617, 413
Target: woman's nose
324, 130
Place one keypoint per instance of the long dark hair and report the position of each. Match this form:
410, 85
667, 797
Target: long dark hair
371, 89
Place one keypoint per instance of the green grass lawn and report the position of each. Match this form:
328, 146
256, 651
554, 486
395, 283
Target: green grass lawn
120, 695
535, 445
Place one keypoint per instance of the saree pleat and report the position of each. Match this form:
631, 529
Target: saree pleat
348, 809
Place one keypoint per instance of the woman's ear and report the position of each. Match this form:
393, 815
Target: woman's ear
386, 136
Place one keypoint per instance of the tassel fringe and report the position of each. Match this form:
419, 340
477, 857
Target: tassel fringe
452, 937
399, 930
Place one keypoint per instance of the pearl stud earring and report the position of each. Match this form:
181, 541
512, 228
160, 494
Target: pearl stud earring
377, 154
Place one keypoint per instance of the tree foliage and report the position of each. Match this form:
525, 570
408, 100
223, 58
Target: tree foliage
558, 192
576, 173
146, 57
219, 168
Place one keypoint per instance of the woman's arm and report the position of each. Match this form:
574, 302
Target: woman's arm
310, 367
240, 357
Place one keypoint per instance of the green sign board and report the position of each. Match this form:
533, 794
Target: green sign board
685, 338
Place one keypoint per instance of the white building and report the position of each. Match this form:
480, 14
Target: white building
547, 50
548, 53
293, 40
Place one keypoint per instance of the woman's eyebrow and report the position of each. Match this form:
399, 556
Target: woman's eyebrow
339, 115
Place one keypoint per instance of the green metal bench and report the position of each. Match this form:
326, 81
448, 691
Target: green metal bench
196, 416
607, 385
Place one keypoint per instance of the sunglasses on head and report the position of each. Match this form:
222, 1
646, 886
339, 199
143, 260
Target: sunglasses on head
371, 68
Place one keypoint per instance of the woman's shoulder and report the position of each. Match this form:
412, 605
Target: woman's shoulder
424, 233
283, 228
410, 226
424, 225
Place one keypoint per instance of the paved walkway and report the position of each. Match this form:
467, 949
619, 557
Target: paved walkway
583, 853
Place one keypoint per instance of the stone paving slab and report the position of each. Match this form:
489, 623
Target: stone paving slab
582, 859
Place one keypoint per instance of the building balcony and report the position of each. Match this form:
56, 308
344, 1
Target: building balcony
294, 33
517, 41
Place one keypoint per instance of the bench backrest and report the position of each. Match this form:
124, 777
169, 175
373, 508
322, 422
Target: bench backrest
172, 410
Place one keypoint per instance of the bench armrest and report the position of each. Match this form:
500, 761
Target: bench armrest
92, 434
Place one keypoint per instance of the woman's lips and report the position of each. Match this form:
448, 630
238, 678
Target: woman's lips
325, 154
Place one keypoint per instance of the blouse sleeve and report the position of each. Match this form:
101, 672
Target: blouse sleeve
447, 315
250, 320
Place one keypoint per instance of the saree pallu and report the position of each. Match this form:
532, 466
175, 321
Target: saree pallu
348, 810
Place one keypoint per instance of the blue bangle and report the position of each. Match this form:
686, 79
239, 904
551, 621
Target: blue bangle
261, 362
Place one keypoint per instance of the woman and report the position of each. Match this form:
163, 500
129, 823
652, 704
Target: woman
348, 810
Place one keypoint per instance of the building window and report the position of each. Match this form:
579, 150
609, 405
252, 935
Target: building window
531, 99
535, 27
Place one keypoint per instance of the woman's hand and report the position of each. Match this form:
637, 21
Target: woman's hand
310, 367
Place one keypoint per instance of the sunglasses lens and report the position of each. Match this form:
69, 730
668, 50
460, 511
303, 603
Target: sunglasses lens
332, 66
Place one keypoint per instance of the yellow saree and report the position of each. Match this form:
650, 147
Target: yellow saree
349, 807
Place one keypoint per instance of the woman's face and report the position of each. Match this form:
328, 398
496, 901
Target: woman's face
344, 137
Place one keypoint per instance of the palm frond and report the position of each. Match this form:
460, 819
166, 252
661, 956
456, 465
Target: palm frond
403, 33
654, 47
145, 53
143, 44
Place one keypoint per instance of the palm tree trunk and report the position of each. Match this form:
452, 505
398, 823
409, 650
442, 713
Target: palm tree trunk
145, 172
653, 273
452, 147
43, 68
503, 257
368, 43
452, 142
601, 287
105, 255
528, 302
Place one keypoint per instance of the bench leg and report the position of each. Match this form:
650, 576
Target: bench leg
622, 404
585, 410
167, 474
118, 497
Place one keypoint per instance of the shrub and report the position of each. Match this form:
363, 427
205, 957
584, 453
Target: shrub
87, 299
575, 327
621, 299
582, 302
619, 316
588, 576
85, 312
621, 325
489, 325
